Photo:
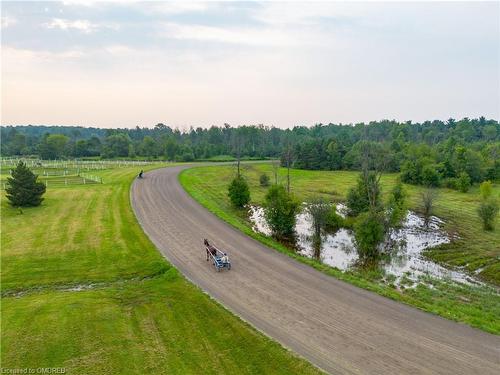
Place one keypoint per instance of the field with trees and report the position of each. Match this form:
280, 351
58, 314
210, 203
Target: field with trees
84, 289
475, 250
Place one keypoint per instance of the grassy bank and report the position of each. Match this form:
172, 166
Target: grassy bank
479, 307
84, 288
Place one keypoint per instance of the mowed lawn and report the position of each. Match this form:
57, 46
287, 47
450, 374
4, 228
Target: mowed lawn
84, 289
476, 250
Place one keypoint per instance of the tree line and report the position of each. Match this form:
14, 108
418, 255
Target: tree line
433, 153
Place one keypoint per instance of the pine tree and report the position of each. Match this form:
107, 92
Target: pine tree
23, 189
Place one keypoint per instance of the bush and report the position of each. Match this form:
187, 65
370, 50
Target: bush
333, 220
488, 211
264, 180
430, 176
428, 198
451, 183
358, 197
463, 182
410, 172
23, 189
486, 189
238, 192
280, 210
488, 208
397, 205
356, 202
369, 232
187, 156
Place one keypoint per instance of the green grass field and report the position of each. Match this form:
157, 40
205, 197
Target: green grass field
476, 249
134, 314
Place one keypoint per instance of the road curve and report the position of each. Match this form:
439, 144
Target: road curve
338, 327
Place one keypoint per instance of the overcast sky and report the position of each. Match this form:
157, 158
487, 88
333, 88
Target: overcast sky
273, 63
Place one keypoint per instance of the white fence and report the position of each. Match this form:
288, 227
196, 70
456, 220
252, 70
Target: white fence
87, 176
73, 164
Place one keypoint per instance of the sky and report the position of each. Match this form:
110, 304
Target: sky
127, 64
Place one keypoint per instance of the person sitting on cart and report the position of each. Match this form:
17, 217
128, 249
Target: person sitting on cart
225, 259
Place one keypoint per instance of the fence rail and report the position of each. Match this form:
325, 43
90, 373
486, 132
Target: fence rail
65, 181
58, 173
85, 176
72, 164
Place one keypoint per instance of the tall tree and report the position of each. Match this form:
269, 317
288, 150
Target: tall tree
23, 189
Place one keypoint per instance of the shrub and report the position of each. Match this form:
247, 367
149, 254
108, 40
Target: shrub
238, 192
430, 176
488, 211
488, 208
23, 189
397, 205
333, 220
187, 156
264, 180
369, 232
358, 200
410, 172
463, 182
428, 198
486, 189
280, 210
451, 183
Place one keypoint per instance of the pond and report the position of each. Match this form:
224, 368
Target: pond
403, 248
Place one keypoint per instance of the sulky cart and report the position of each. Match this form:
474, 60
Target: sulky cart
219, 259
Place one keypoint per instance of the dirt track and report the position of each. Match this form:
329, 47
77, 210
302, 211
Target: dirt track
336, 326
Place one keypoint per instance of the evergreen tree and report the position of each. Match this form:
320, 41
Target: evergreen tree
23, 189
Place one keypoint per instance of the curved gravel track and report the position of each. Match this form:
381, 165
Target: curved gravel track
338, 327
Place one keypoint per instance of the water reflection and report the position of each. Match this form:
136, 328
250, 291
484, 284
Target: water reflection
402, 250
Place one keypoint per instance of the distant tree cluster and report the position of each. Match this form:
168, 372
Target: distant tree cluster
454, 154
161, 141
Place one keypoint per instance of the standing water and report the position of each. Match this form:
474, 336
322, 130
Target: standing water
404, 246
